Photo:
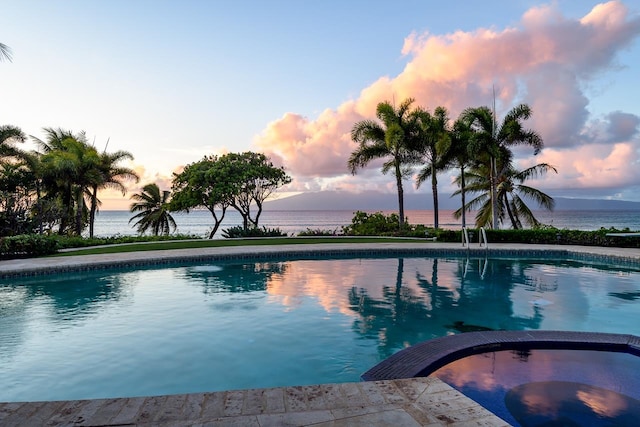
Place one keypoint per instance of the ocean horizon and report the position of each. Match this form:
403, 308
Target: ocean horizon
200, 222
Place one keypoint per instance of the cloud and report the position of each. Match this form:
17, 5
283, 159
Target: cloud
546, 61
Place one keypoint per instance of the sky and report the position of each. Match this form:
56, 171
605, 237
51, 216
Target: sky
172, 81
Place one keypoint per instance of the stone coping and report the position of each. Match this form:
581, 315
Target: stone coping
49, 265
424, 358
401, 403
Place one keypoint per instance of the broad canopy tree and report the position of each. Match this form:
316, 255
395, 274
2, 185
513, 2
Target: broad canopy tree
240, 180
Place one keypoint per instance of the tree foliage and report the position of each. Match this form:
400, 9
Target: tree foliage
392, 139
240, 180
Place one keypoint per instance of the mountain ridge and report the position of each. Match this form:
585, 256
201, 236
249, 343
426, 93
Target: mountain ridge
373, 200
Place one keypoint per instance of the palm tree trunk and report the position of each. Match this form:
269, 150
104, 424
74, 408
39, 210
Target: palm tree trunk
494, 194
80, 204
514, 222
464, 202
92, 212
434, 190
400, 196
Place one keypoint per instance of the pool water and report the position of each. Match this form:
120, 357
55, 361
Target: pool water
551, 387
224, 325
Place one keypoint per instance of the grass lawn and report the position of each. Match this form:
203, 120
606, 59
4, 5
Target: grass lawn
188, 244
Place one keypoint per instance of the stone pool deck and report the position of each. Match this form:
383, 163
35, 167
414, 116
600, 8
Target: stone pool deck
400, 402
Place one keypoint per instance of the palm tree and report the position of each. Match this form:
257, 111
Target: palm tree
153, 211
72, 167
458, 156
5, 52
511, 195
391, 140
493, 139
110, 176
434, 141
8, 135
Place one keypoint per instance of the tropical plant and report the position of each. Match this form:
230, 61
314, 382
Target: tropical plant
511, 196
490, 140
8, 136
110, 175
433, 141
153, 211
70, 169
392, 139
5, 52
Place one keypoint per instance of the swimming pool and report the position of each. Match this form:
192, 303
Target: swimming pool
220, 325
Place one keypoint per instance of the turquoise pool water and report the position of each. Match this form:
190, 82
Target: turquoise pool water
224, 325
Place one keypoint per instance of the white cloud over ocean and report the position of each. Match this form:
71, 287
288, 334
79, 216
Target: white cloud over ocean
545, 60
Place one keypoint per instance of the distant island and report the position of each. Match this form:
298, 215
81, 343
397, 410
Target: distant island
373, 200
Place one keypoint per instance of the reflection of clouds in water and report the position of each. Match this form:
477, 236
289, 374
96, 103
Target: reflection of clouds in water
327, 280
603, 402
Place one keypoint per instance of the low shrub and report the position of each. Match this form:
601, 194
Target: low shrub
379, 224
318, 232
81, 242
239, 232
27, 245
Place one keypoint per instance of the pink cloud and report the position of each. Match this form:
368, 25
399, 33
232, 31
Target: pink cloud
546, 61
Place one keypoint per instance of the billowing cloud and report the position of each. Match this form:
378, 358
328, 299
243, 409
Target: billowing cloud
546, 61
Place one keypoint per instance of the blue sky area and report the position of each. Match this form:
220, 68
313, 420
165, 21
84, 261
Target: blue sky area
172, 81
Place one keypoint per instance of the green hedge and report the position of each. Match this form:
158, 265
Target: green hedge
27, 245
546, 236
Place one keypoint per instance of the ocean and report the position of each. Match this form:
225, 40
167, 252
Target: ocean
200, 222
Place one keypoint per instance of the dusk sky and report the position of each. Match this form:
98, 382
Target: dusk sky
172, 81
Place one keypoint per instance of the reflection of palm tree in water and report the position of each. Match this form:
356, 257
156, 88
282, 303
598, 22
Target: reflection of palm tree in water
404, 317
235, 278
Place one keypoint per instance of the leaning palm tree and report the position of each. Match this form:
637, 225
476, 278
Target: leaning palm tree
512, 194
110, 176
153, 211
390, 140
491, 138
433, 142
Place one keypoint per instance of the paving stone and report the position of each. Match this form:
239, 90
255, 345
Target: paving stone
171, 409
393, 417
274, 400
372, 392
233, 402
7, 409
150, 407
413, 387
254, 402
488, 421
294, 418
353, 395
333, 396
213, 406
193, 406
314, 395
294, 399
129, 411
21, 413
240, 421
391, 393
421, 414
